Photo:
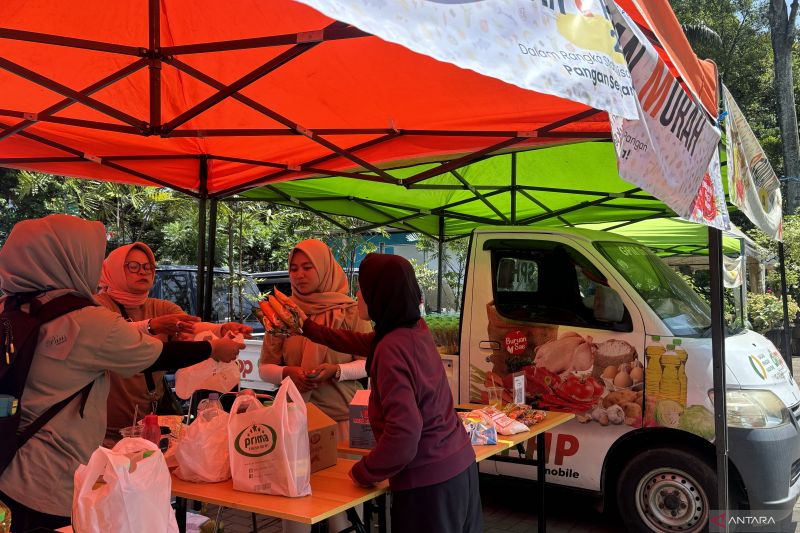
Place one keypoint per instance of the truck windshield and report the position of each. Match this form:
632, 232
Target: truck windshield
683, 311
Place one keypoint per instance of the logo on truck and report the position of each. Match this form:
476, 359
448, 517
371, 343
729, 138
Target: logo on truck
758, 367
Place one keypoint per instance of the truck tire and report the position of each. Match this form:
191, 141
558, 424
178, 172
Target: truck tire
666, 489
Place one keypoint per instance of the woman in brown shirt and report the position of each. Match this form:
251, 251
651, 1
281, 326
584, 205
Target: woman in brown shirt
125, 282
319, 287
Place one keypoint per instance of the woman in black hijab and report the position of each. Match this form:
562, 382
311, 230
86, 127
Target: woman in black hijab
421, 446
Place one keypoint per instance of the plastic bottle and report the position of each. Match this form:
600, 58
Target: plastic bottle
211, 402
5, 518
151, 431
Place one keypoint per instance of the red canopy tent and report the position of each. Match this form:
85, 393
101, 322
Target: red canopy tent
212, 98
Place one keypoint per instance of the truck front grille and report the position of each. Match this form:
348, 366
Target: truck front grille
795, 472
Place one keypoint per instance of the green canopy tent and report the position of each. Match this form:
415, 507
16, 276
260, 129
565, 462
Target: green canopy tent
671, 236
558, 186
568, 185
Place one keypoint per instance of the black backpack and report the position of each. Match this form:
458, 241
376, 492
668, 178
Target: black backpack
19, 335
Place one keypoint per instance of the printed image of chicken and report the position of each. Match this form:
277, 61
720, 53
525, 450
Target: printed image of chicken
570, 352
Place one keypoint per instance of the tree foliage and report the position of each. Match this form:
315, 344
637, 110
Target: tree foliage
743, 55
251, 236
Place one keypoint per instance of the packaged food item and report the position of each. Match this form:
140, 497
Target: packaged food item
524, 413
495, 417
480, 433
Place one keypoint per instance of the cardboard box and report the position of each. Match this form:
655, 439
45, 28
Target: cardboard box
360, 431
322, 438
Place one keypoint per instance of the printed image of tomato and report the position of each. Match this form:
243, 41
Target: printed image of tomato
580, 389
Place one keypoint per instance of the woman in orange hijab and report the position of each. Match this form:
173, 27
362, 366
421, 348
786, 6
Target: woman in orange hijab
325, 377
128, 275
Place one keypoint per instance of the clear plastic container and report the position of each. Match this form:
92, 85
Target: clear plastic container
131, 431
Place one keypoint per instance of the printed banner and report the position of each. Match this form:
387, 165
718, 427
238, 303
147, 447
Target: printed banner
732, 271
753, 186
563, 48
666, 151
709, 206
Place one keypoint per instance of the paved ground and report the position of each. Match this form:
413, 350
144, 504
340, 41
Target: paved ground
507, 508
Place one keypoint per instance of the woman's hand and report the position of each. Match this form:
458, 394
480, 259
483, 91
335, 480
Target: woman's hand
225, 349
299, 378
234, 328
323, 373
173, 324
357, 483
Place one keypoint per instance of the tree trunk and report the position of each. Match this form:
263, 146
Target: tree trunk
782, 31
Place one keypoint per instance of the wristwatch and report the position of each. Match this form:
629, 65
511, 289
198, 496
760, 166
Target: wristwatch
150, 331
338, 374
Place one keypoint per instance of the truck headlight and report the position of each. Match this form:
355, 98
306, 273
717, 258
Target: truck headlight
755, 409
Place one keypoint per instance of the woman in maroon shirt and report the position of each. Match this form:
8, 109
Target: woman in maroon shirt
421, 446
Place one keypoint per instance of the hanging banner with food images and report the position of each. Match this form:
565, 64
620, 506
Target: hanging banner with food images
753, 186
564, 48
667, 151
709, 206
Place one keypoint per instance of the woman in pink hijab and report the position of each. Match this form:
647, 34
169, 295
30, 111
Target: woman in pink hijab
125, 282
325, 377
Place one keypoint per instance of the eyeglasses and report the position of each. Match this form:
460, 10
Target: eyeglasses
134, 267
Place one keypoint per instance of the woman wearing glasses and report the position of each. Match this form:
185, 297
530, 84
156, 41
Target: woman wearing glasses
125, 282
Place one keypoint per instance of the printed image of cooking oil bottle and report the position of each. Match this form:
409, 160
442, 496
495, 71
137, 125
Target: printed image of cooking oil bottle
670, 386
652, 375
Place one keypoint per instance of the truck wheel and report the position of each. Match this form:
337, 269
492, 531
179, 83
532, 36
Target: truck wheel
666, 489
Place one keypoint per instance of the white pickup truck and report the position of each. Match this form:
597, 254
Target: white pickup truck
601, 327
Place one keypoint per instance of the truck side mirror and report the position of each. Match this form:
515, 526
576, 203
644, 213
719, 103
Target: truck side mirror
608, 306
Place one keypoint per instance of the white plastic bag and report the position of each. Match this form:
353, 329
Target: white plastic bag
135, 493
209, 375
269, 445
202, 452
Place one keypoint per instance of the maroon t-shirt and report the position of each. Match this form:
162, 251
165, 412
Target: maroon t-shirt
419, 438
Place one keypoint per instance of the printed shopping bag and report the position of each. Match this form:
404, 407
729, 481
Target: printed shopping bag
132, 496
202, 452
269, 445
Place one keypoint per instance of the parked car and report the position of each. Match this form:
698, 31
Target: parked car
232, 299
266, 281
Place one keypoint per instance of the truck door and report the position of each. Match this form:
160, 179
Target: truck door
547, 306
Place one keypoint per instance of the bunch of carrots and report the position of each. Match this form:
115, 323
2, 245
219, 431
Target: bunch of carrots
281, 315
